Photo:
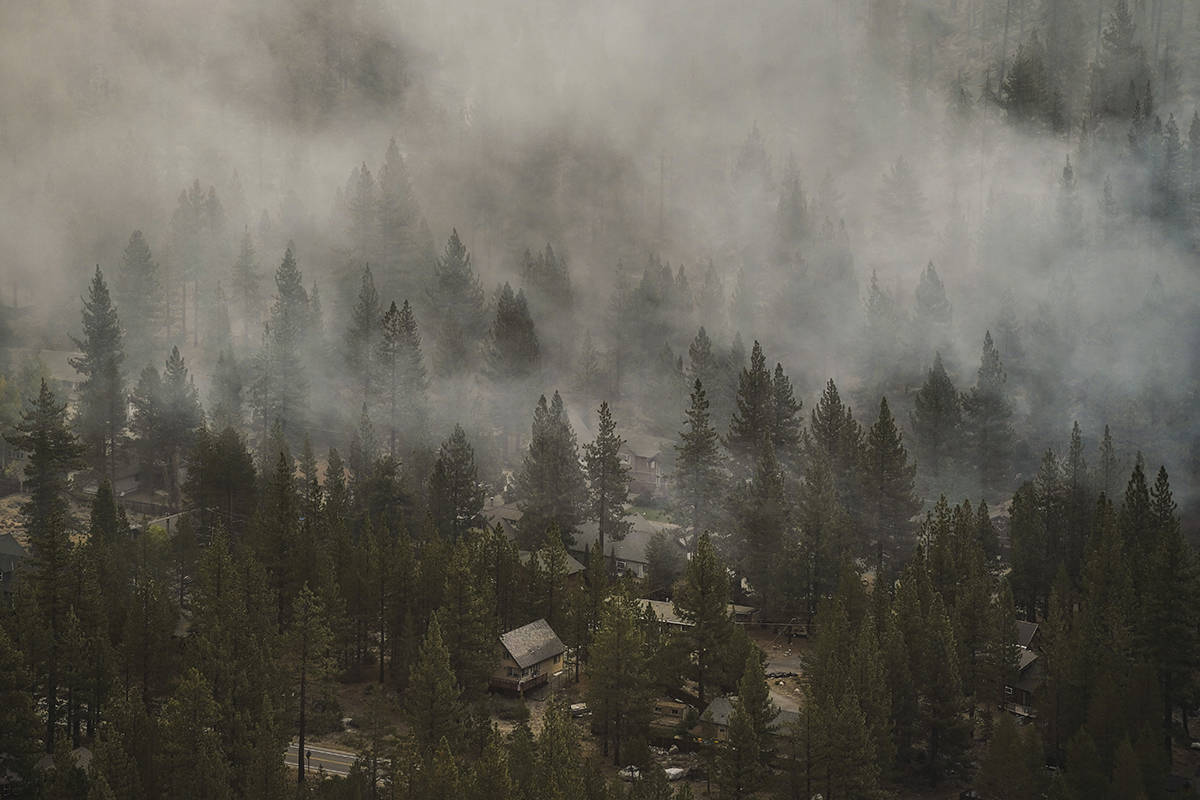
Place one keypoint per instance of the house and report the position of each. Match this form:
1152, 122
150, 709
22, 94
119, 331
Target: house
644, 457
664, 610
505, 516
1019, 695
529, 655
630, 553
714, 721
11, 556
574, 570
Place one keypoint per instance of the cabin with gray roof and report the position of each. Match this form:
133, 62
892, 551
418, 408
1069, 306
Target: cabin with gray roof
714, 721
630, 553
529, 655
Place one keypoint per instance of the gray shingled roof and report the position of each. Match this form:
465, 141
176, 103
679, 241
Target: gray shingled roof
11, 552
532, 643
1025, 632
572, 566
720, 710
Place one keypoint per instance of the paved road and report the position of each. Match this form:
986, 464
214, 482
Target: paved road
334, 762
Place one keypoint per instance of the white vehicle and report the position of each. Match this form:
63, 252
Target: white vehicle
630, 773
676, 773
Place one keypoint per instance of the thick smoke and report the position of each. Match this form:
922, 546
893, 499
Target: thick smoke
620, 132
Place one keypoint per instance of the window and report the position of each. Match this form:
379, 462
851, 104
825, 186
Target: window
1008, 690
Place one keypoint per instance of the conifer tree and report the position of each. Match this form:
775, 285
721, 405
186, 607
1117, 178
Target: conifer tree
458, 303
471, 634
1006, 772
753, 420
786, 432
281, 386
179, 417
1106, 477
101, 417
608, 479
362, 215
402, 368
53, 451
18, 723
937, 419
140, 294
888, 487
432, 702
702, 598
193, 763
308, 644
513, 350
225, 401
932, 305
456, 498
699, 473
943, 706
852, 770
835, 435
1169, 621
826, 533
619, 690
362, 337
756, 702
550, 486
901, 201
740, 772
406, 247
762, 514
246, 288
987, 413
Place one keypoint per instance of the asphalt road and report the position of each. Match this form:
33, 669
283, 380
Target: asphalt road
334, 762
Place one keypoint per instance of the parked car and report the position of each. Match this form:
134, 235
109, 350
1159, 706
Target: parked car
676, 773
630, 773
580, 710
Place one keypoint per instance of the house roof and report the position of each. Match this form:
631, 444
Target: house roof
644, 445
720, 710
1026, 631
573, 567
533, 643
665, 611
1025, 658
11, 552
635, 544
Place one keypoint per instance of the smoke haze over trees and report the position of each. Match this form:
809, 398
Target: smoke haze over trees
345, 276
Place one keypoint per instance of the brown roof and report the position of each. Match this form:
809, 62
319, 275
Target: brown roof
533, 643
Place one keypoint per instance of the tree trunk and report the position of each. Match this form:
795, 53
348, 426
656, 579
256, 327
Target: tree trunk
300, 759
51, 689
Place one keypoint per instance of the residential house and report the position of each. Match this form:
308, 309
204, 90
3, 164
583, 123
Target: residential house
1019, 695
644, 457
630, 553
529, 655
574, 570
11, 556
664, 610
714, 721
504, 516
